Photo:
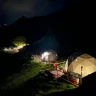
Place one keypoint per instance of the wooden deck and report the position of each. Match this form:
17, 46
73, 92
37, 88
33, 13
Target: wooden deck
57, 73
60, 74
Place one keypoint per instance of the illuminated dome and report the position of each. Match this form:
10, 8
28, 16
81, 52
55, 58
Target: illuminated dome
83, 64
49, 55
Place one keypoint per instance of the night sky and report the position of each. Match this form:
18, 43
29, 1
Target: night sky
11, 10
78, 22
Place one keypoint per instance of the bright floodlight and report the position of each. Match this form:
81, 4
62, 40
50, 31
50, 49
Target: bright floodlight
49, 56
19, 47
45, 55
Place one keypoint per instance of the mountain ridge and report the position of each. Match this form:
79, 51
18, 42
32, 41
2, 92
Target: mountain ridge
70, 27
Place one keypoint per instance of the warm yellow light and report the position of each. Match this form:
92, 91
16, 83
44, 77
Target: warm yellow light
19, 47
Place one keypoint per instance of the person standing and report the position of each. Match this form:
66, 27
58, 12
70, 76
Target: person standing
55, 65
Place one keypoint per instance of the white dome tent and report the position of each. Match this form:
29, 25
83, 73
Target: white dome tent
83, 65
49, 56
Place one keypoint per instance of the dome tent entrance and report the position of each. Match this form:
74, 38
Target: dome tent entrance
83, 64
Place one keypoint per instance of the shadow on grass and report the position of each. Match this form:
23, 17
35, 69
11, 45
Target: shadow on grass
23, 90
27, 89
30, 88
88, 87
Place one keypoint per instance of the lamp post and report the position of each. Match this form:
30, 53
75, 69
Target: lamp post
81, 71
80, 82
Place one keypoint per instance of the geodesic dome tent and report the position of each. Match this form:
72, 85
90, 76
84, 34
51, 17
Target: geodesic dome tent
49, 56
83, 64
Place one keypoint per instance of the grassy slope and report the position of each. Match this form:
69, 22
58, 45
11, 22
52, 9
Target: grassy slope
31, 70
41, 85
49, 87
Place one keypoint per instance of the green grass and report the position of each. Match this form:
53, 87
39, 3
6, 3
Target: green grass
47, 67
61, 65
49, 87
29, 71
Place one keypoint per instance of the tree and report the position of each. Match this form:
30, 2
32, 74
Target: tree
19, 41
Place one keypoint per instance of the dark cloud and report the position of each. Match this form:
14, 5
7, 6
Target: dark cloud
17, 6
29, 8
